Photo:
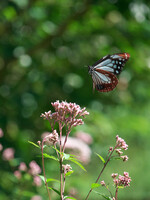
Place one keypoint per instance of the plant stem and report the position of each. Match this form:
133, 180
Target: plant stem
109, 191
116, 194
66, 140
64, 182
44, 171
61, 161
61, 178
100, 173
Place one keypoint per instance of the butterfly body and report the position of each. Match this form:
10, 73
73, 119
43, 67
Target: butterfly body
104, 71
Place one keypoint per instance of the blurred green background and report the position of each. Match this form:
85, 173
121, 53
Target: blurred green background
45, 46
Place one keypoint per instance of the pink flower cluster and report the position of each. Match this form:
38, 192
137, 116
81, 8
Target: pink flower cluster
52, 137
67, 113
8, 154
122, 180
67, 168
34, 170
121, 143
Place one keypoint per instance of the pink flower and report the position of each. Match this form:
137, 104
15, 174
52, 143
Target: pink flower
119, 152
1, 133
8, 154
124, 158
17, 174
122, 180
103, 183
34, 168
22, 166
121, 143
67, 168
36, 197
110, 149
52, 137
68, 113
37, 181
114, 175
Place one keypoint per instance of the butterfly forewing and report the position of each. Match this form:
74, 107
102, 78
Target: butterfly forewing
104, 70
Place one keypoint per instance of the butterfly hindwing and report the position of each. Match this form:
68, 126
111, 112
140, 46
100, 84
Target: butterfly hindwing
104, 81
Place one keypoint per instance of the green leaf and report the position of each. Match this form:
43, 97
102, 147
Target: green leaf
66, 197
95, 185
76, 162
66, 156
72, 158
54, 190
42, 178
34, 144
48, 156
56, 150
120, 187
49, 179
69, 173
52, 179
71, 155
103, 195
102, 159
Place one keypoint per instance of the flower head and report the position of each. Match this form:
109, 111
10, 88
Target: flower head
8, 154
37, 181
103, 183
121, 143
122, 180
119, 152
17, 174
110, 149
124, 158
67, 168
34, 168
52, 137
68, 113
22, 166
114, 175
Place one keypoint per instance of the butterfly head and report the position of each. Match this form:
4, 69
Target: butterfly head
90, 70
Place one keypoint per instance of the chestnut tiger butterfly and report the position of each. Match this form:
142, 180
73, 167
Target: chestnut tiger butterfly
104, 71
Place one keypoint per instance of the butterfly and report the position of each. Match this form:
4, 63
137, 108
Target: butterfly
104, 71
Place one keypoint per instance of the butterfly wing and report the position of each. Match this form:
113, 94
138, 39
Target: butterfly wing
104, 81
112, 63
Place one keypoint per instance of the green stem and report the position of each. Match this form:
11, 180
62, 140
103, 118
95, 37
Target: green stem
100, 173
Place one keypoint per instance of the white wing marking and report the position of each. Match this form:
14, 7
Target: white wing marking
115, 56
101, 78
103, 63
106, 68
